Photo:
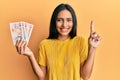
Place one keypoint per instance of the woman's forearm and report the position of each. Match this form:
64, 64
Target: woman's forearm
36, 68
86, 68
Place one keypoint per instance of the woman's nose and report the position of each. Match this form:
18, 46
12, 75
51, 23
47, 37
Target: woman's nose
64, 23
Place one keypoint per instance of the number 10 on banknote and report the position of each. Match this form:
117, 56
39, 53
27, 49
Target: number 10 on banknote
21, 31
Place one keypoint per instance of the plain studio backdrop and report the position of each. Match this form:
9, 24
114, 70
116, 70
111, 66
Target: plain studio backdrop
104, 13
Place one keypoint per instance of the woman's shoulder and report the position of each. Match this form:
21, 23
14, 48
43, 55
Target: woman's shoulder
46, 41
80, 38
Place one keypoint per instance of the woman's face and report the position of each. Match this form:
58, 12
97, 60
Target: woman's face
64, 23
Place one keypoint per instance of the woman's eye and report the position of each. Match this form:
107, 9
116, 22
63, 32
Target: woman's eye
59, 20
69, 20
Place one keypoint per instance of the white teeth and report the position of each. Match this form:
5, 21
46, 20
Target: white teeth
64, 29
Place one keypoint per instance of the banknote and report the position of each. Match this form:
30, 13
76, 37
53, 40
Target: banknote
28, 30
21, 31
16, 32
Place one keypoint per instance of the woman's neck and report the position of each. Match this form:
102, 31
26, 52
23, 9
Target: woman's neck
63, 37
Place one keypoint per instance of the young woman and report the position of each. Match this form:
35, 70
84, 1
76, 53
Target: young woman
63, 55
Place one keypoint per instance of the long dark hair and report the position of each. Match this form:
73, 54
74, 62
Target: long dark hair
53, 33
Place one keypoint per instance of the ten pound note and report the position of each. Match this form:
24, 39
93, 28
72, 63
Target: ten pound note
20, 31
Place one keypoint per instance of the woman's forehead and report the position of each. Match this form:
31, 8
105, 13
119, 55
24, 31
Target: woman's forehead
64, 14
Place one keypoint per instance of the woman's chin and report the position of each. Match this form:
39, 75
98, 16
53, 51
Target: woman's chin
64, 34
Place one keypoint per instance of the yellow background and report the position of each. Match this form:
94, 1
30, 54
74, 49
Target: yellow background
106, 16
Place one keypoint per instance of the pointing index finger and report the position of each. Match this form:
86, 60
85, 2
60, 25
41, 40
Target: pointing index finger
92, 27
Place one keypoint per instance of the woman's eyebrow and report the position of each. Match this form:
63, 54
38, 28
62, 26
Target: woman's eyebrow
63, 18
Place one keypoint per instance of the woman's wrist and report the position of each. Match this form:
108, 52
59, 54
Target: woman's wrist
30, 55
92, 47
92, 50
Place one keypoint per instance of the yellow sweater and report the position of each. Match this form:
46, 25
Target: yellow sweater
63, 58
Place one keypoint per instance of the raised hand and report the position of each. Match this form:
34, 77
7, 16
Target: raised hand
94, 38
22, 48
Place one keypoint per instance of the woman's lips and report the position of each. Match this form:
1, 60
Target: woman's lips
64, 29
